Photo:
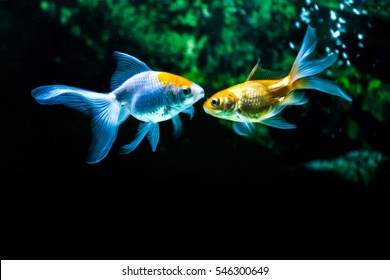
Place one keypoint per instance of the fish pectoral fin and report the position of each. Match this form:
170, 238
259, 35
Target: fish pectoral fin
190, 111
278, 122
176, 121
177, 126
143, 129
244, 128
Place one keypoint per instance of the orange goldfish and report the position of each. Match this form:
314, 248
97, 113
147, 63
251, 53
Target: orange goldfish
265, 93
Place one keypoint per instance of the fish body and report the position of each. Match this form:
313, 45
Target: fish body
136, 90
265, 93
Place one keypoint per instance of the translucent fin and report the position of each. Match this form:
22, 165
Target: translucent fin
153, 135
244, 128
104, 131
295, 98
143, 129
127, 67
308, 45
272, 112
123, 115
313, 67
177, 126
190, 111
104, 108
323, 85
259, 73
278, 122
303, 70
273, 118
300, 66
77, 98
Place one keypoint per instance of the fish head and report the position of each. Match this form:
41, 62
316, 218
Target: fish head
191, 94
182, 93
221, 104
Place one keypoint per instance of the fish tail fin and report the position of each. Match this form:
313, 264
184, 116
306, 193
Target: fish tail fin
303, 69
103, 107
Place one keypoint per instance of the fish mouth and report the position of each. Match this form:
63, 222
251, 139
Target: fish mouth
200, 95
206, 109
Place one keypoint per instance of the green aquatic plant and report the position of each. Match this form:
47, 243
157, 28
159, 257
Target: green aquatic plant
167, 32
356, 166
374, 94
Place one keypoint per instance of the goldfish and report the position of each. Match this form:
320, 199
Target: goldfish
135, 90
265, 93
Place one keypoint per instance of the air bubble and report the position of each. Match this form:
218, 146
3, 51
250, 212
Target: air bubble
333, 15
342, 21
356, 11
335, 34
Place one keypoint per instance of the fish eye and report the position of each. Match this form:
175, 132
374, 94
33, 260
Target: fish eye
214, 102
186, 90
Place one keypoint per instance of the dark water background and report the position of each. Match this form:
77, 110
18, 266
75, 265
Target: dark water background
210, 193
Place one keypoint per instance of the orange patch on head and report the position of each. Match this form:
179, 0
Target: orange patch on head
172, 79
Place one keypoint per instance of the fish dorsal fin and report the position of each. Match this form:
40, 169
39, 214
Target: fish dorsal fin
127, 67
259, 73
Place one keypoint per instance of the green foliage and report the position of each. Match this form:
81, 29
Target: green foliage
377, 100
374, 84
352, 129
351, 80
374, 93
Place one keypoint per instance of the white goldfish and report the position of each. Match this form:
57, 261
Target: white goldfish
136, 90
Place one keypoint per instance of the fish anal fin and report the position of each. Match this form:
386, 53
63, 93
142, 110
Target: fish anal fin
278, 122
142, 131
